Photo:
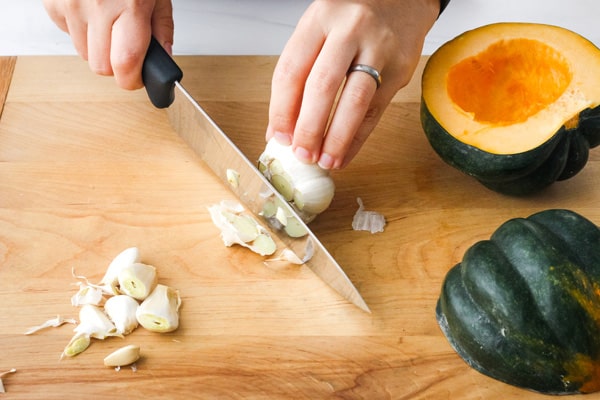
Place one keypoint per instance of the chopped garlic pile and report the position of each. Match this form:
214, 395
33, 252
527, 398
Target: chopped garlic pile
112, 307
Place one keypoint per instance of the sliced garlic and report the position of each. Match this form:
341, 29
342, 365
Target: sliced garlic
240, 228
287, 255
124, 356
160, 311
233, 177
121, 310
137, 280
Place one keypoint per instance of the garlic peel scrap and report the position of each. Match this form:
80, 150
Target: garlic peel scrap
10, 371
370, 221
51, 323
87, 294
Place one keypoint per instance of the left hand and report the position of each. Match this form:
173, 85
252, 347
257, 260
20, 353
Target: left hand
331, 36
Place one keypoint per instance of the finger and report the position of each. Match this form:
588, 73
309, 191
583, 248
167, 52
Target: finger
162, 24
354, 109
366, 127
77, 26
127, 55
289, 77
56, 14
99, 42
322, 86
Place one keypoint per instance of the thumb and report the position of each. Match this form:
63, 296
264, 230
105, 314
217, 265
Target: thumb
162, 24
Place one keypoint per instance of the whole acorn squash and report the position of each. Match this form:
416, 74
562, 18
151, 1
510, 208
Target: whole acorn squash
524, 306
515, 105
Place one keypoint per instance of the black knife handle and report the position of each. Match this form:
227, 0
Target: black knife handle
159, 74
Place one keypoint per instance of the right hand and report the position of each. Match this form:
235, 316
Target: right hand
113, 35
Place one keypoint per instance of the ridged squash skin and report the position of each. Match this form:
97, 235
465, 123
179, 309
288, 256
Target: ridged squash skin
563, 147
524, 306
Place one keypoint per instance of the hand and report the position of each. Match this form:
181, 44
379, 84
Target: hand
331, 36
113, 35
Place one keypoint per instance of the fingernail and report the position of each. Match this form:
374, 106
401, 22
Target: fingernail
326, 161
303, 155
283, 138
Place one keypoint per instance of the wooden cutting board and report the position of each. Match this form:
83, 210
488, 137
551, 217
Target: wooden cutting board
87, 170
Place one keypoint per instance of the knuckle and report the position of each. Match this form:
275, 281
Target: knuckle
359, 96
322, 82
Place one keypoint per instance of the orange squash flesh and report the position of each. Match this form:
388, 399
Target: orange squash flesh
507, 88
509, 81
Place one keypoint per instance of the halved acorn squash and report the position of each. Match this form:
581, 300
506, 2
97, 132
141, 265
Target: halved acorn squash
515, 105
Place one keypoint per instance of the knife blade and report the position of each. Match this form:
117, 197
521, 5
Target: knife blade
162, 79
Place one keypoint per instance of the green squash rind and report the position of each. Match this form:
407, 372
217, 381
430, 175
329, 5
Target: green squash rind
561, 157
512, 316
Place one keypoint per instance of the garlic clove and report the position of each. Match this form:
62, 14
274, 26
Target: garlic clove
137, 280
124, 356
76, 345
264, 245
122, 260
239, 228
121, 310
160, 311
95, 323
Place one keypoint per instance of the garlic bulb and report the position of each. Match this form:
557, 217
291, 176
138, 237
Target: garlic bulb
307, 186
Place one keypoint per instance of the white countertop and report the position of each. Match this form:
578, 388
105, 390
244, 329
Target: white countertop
263, 26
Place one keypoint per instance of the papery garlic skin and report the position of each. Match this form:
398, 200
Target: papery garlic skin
121, 310
54, 323
370, 221
87, 294
137, 280
160, 311
307, 186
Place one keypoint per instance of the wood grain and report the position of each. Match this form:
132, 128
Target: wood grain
87, 170
7, 65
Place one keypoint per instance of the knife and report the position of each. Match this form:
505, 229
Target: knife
162, 77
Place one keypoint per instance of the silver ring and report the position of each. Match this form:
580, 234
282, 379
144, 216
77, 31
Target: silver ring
369, 70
